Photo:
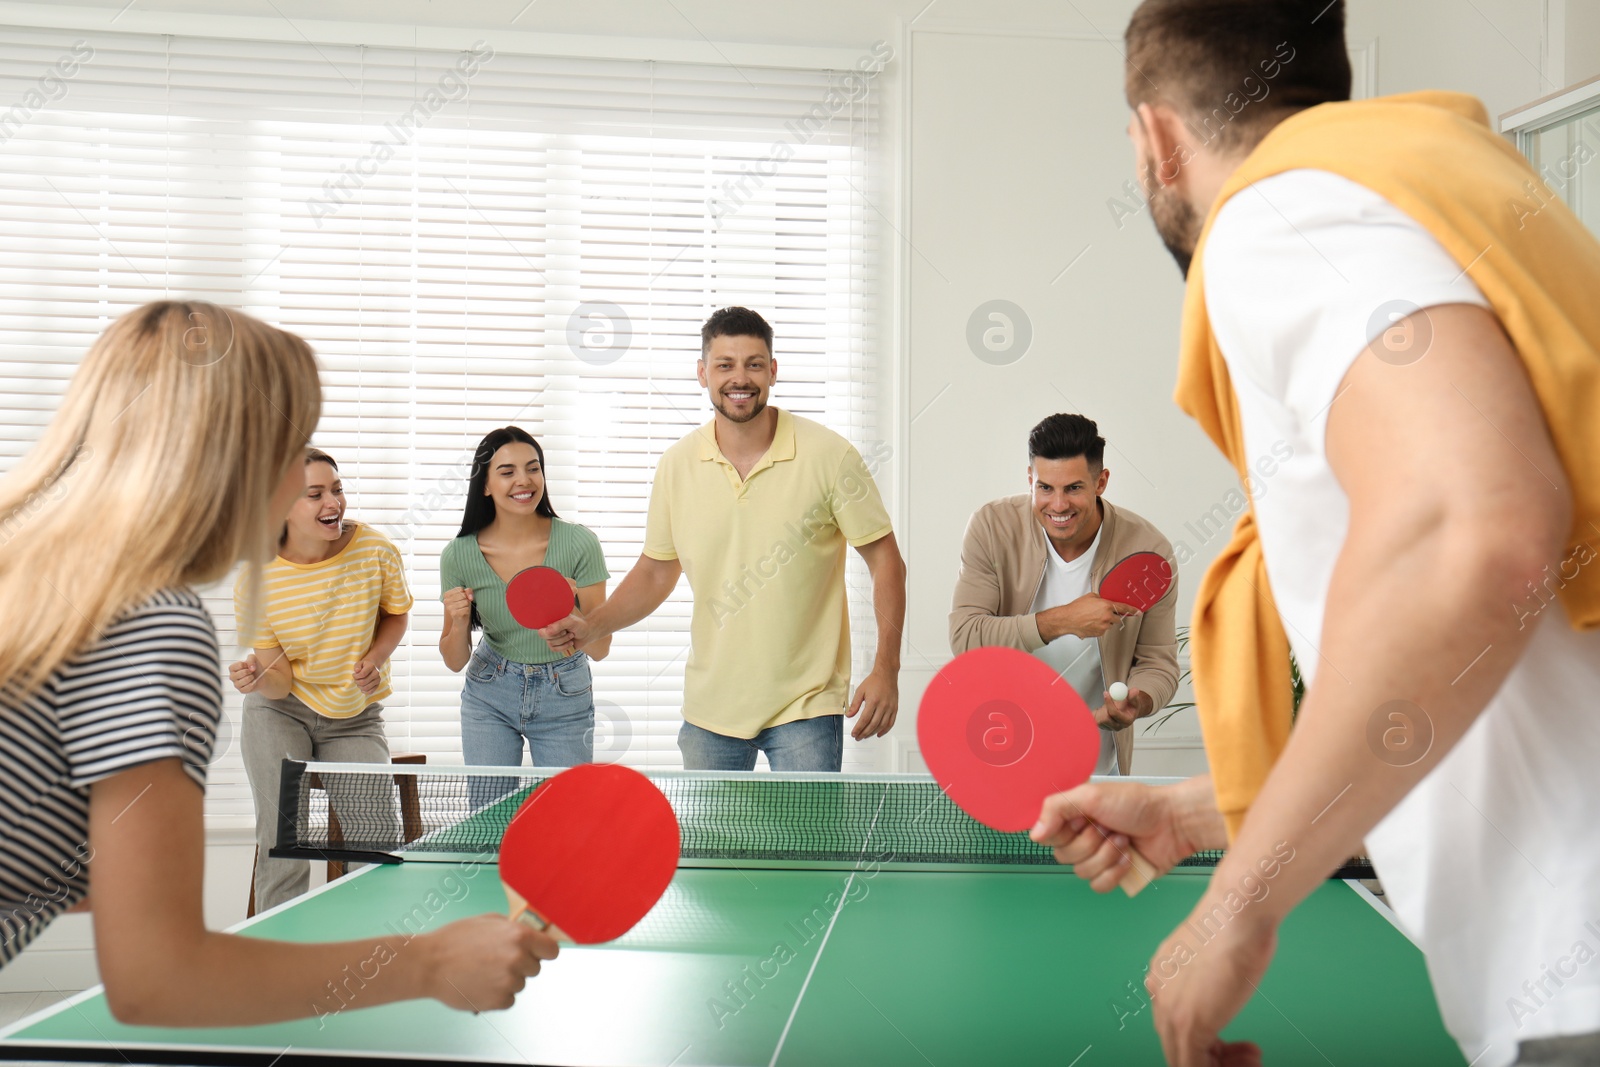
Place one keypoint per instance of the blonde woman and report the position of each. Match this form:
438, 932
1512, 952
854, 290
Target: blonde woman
336, 608
177, 451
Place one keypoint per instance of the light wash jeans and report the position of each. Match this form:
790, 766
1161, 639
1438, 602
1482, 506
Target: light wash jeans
550, 705
803, 745
504, 703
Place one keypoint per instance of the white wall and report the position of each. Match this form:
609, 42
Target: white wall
1581, 51
1009, 144
1016, 149
1494, 49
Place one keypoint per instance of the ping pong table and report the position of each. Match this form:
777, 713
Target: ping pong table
789, 953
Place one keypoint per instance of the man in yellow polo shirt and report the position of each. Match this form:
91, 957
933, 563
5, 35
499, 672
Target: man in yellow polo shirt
756, 507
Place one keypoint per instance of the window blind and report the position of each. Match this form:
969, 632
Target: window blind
468, 239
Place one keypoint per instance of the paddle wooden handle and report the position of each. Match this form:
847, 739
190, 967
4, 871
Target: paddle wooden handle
1141, 872
520, 912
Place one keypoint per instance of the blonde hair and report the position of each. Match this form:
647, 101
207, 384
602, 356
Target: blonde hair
158, 470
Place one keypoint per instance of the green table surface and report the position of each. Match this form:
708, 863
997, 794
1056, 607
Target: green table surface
764, 966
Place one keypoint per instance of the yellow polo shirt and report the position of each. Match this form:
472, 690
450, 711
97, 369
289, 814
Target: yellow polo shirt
770, 636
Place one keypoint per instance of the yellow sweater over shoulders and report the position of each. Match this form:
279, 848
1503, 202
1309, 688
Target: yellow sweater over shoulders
1433, 156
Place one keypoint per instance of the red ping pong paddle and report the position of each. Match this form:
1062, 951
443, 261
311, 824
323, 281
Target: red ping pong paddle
590, 852
539, 596
1140, 580
1001, 731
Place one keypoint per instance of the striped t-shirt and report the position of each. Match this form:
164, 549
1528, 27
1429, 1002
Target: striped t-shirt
574, 550
324, 616
150, 688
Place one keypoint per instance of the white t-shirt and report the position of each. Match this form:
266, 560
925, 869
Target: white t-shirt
1076, 659
1492, 863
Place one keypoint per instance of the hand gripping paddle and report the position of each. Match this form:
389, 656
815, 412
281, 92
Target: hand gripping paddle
1140, 580
589, 852
1001, 731
539, 596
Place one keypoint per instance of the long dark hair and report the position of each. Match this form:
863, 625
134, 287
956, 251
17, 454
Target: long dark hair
480, 510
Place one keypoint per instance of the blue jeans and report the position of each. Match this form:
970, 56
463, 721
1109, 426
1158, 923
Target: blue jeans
803, 745
551, 705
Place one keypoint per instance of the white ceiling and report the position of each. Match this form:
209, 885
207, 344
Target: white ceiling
788, 22
814, 23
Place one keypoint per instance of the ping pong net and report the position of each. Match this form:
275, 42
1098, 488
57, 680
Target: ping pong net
382, 813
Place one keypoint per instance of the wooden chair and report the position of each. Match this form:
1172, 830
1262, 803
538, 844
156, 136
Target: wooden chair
410, 820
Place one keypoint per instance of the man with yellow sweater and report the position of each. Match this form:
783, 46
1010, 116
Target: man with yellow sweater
1363, 285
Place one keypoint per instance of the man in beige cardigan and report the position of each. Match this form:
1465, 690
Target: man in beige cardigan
1030, 565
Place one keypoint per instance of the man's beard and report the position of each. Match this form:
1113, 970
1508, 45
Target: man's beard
1177, 224
757, 405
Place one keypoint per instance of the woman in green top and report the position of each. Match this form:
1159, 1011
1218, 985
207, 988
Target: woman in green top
517, 687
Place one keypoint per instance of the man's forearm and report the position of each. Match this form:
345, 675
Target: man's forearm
1419, 628
1151, 686
644, 589
1051, 624
972, 628
1195, 810
1155, 686
889, 605
1424, 680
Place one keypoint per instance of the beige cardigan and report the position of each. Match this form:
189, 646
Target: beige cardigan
1002, 566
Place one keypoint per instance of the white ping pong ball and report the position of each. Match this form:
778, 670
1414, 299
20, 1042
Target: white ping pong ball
1118, 691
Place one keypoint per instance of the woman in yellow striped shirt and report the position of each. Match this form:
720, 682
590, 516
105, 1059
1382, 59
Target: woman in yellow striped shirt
336, 607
